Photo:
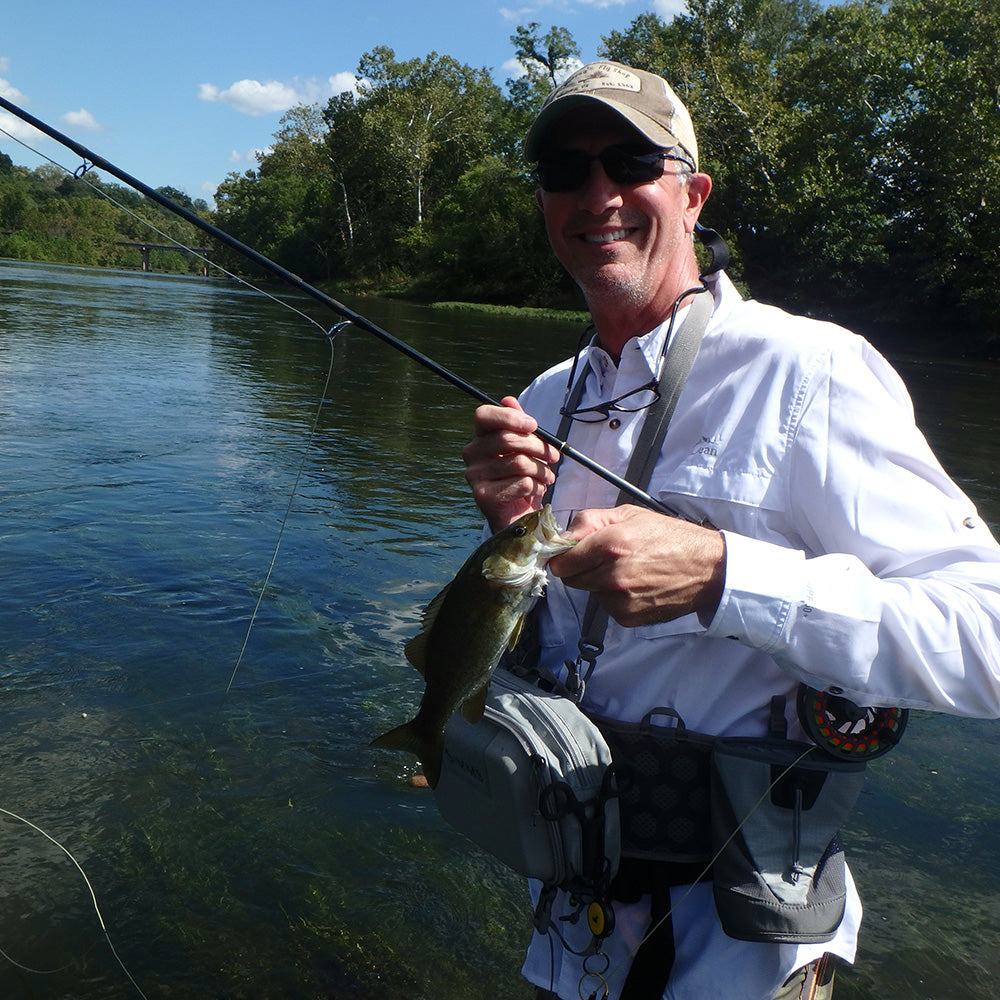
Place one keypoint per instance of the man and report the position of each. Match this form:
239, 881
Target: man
825, 545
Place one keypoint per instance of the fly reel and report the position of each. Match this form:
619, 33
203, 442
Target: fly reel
845, 730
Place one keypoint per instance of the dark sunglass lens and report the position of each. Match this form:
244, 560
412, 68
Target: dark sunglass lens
626, 166
566, 171
569, 169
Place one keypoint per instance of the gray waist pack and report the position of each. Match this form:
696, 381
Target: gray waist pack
779, 873
532, 784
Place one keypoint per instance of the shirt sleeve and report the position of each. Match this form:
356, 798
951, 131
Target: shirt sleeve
891, 594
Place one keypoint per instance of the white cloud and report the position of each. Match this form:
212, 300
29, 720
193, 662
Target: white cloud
252, 97
668, 9
11, 93
19, 129
80, 119
531, 11
252, 155
513, 69
516, 16
4, 64
11, 124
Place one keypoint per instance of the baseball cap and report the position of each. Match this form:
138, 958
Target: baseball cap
643, 99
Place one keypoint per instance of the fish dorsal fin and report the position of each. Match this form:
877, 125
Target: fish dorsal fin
472, 709
416, 648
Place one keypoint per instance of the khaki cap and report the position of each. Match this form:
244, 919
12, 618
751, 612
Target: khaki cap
643, 99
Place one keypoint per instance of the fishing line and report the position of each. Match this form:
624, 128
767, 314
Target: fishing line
92, 159
350, 318
93, 898
331, 335
80, 174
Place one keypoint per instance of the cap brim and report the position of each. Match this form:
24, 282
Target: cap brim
534, 141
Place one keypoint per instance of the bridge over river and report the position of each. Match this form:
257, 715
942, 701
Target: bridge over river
145, 248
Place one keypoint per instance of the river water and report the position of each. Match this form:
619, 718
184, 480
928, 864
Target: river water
212, 781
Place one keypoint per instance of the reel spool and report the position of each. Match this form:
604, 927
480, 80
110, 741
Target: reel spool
845, 730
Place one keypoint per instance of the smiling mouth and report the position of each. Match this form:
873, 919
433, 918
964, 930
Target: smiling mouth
611, 237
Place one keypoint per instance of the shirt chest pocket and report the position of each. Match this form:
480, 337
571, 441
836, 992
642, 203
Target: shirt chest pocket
706, 486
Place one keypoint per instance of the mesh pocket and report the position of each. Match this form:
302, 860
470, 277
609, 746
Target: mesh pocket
663, 788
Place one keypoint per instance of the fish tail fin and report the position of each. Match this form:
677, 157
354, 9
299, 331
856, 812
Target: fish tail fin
409, 738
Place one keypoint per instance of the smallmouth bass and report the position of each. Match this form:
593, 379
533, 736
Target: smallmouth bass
468, 627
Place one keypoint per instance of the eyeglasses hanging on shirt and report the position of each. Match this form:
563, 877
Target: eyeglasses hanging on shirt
640, 398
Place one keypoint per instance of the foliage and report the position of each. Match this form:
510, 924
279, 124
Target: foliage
855, 151
490, 207
46, 215
854, 148
545, 62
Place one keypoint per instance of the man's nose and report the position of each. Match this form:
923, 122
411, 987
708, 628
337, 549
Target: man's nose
600, 192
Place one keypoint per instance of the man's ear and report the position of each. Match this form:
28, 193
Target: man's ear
699, 187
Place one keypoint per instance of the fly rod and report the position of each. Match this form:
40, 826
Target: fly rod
92, 159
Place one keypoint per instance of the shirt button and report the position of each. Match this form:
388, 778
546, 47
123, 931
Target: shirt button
614, 423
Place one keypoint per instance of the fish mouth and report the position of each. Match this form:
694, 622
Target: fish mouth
548, 534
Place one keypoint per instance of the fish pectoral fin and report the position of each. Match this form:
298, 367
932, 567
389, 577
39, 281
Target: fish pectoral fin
472, 709
416, 649
416, 652
515, 634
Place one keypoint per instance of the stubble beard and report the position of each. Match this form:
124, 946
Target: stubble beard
615, 287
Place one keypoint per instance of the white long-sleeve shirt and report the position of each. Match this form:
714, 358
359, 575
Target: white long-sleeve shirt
854, 564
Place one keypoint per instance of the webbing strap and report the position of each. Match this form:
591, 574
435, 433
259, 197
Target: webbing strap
651, 965
680, 356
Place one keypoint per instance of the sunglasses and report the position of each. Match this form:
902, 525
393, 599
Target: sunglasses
568, 169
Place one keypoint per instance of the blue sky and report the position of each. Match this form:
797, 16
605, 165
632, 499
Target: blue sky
183, 93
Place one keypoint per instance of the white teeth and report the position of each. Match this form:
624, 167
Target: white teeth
618, 234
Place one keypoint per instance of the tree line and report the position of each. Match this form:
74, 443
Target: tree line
855, 151
49, 215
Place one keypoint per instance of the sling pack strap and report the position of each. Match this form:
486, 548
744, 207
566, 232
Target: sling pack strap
651, 965
681, 352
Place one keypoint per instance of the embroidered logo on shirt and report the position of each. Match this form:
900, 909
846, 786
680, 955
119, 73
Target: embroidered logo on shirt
709, 446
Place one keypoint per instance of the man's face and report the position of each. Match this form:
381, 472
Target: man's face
626, 246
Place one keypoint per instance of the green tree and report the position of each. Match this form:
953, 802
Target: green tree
546, 61
839, 142
14, 202
486, 242
940, 167
433, 115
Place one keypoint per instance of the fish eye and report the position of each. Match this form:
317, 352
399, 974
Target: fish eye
520, 531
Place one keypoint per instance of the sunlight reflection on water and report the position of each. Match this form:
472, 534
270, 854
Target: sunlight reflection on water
250, 843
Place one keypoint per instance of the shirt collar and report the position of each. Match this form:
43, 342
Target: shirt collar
640, 356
